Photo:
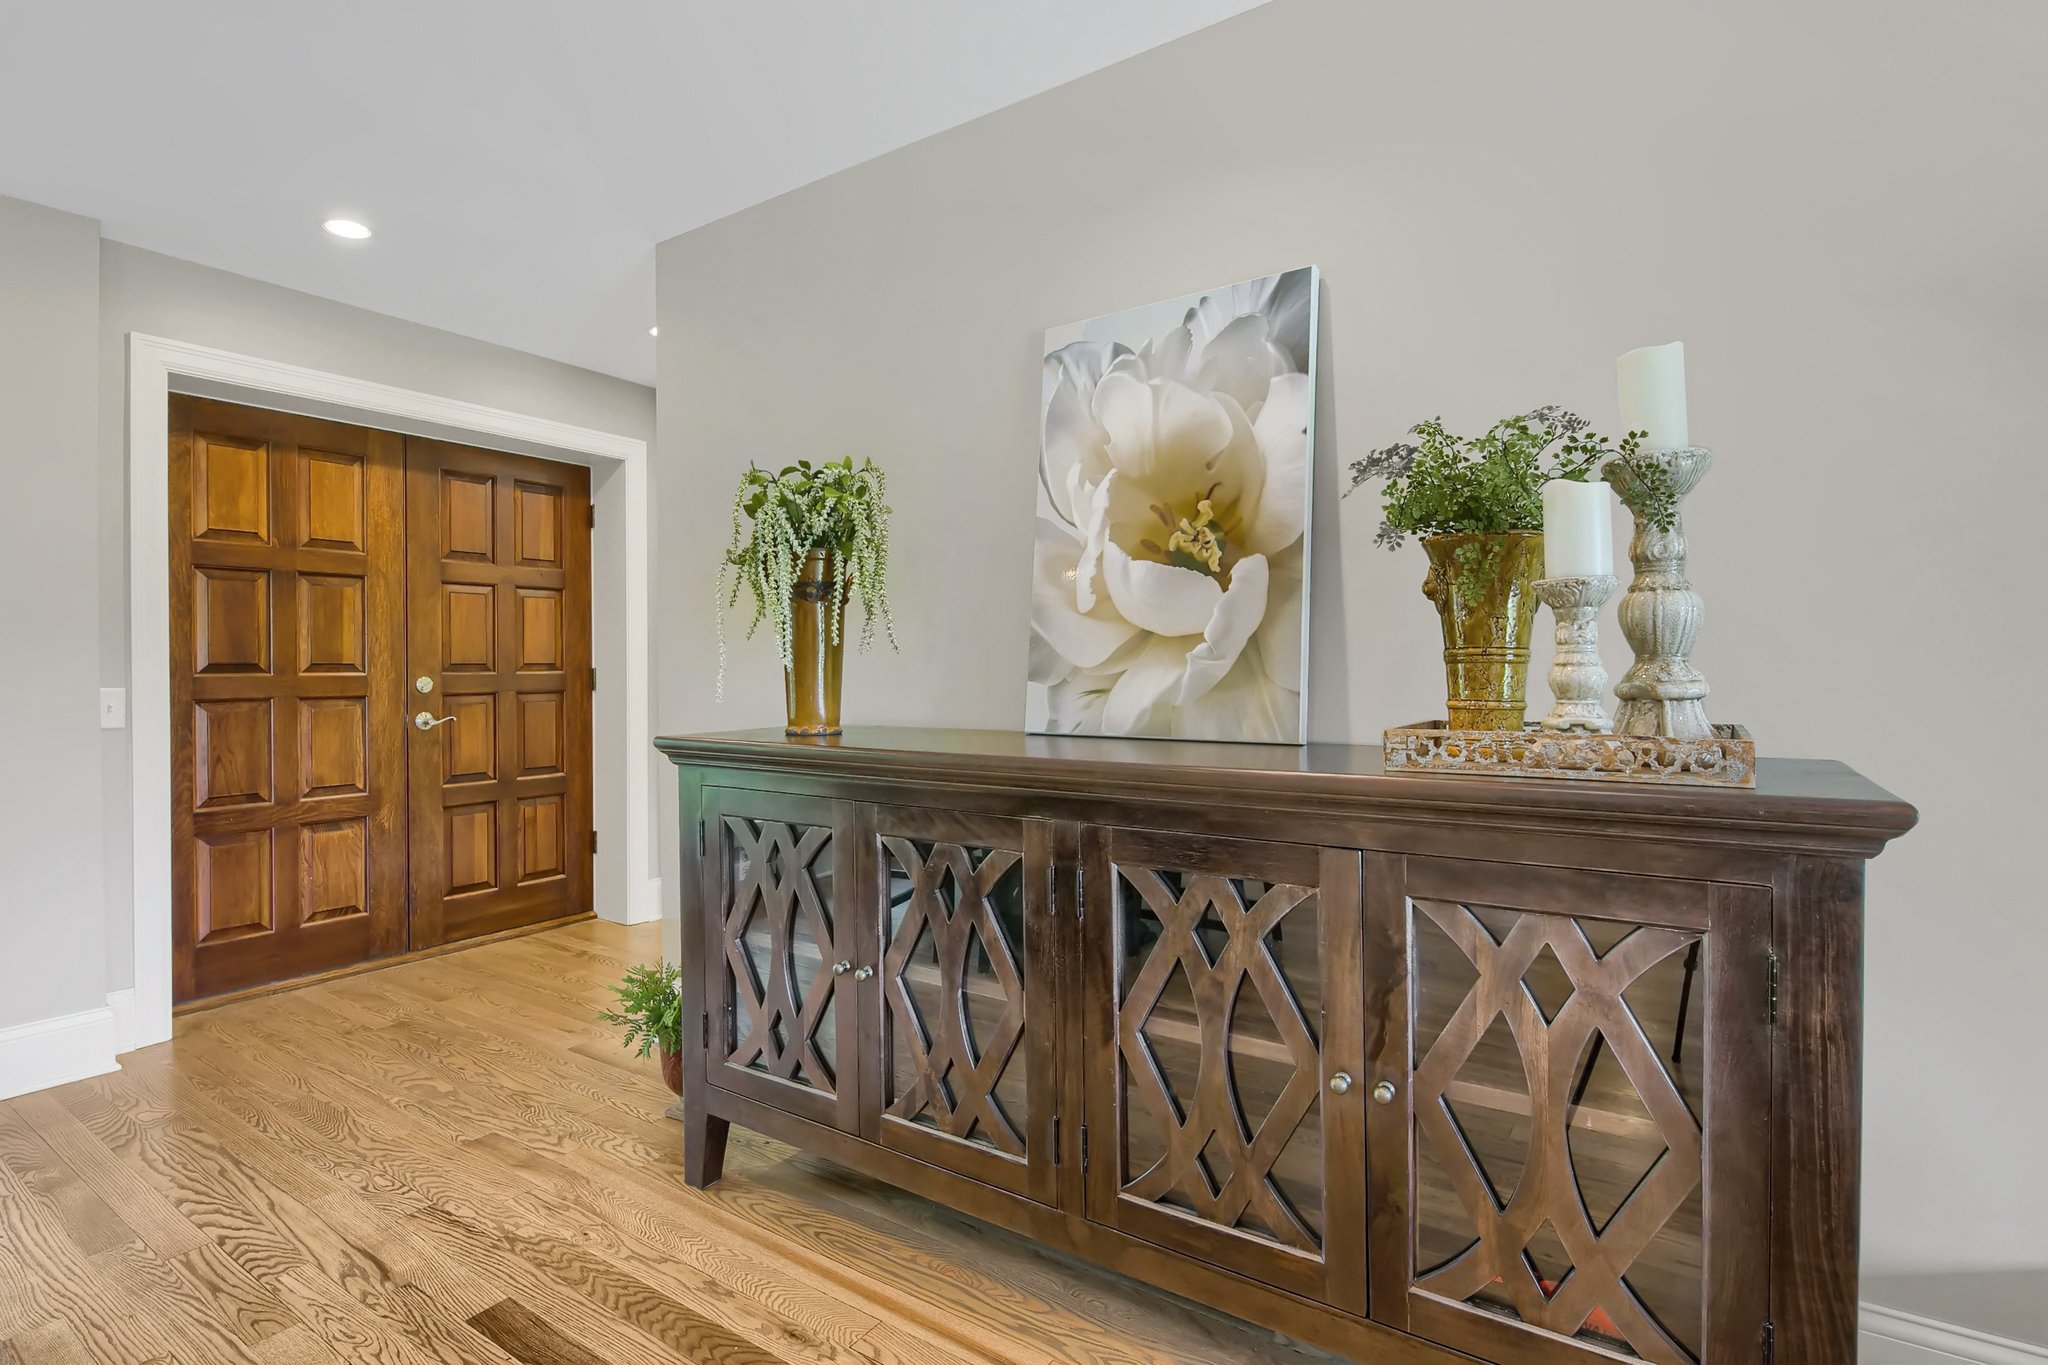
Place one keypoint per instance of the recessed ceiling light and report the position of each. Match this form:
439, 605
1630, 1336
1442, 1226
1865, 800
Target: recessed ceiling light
346, 227
654, 331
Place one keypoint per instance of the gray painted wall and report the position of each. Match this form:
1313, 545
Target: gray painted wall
141, 291
51, 921
1825, 201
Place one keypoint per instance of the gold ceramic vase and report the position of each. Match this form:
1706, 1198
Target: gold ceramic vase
1484, 587
811, 685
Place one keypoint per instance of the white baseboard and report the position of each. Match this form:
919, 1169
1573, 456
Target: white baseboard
1891, 1336
643, 904
47, 1052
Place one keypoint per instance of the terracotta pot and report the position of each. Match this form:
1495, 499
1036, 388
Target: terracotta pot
672, 1070
812, 686
1484, 587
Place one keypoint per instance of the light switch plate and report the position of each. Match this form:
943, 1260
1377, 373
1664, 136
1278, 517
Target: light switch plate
113, 708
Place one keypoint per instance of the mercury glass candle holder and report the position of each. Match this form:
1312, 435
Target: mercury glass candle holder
1662, 693
1577, 679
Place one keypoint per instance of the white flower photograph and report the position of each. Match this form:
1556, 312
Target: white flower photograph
1169, 571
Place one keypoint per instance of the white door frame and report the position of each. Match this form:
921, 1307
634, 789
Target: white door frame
157, 368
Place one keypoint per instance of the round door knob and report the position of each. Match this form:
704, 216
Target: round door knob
1383, 1093
864, 973
1340, 1084
841, 968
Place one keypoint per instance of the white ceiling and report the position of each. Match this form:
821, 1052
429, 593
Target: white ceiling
518, 159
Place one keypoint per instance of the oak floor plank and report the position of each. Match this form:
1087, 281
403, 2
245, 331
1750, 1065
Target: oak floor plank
250, 1310
527, 1337
152, 1287
88, 1220
451, 1162
44, 1279
54, 1343
155, 1219
698, 1266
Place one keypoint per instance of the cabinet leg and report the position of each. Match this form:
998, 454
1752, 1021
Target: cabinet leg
703, 1147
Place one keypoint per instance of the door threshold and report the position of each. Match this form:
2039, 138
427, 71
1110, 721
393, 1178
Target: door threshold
293, 983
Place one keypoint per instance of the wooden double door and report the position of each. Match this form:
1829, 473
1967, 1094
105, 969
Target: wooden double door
380, 691
1519, 1111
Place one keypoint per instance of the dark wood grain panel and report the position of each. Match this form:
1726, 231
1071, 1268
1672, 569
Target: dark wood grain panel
531, 1339
288, 844
1817, 1094
498, 622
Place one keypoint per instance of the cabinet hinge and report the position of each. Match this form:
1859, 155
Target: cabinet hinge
593, 843
1770, 1342
1055, 1139
1081, 897
1771, 990
593, 514
707, 1032
700, 838
593, 680
1084, 1147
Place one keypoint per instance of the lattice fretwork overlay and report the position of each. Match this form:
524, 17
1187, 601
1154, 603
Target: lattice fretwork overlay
955, 990
1221, 1062
1559, 1154
779, 937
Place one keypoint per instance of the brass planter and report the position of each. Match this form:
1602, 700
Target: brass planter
1486, 596
811, 687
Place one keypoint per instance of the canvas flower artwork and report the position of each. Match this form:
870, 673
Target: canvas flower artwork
1170, 568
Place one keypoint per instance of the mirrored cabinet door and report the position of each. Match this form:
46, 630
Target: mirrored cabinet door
963, 1003
779, 966
1222, 1057
1577, 1150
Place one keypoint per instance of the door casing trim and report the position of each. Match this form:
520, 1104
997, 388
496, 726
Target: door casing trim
630, 887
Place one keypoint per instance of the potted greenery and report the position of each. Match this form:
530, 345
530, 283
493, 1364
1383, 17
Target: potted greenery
651, 1013
805, 541
1477, 505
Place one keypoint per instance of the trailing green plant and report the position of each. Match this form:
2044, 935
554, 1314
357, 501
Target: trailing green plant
1652, 492
650, 1010
779, 518
1444, 484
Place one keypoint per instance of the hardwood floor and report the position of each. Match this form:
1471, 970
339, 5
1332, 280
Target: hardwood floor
450, 1161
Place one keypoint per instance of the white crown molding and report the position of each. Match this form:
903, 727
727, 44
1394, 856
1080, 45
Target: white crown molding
1904, 1338
56, 1051
159, 366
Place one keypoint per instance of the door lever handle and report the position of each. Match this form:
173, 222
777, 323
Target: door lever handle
427, 720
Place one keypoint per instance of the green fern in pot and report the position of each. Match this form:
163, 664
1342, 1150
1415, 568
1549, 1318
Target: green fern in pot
650, 1013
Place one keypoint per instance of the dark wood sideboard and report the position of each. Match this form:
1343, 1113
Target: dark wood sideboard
1415, 1069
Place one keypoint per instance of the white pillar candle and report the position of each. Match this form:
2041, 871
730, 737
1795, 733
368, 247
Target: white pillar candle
1653, 395
1578, 529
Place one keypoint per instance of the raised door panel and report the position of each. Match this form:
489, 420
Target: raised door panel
1224, 1036
1571, 1164
499, 629
963, 1002
780, 951
287, 800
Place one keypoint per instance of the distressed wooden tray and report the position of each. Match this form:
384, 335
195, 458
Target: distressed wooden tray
1431, 748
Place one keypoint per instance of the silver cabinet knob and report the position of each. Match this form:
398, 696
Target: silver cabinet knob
427, 720
841, 968
1383, 1093
1340, 1084
423, 684
864, 973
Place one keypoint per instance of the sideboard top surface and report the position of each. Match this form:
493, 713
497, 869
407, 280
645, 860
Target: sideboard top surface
1821, 801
